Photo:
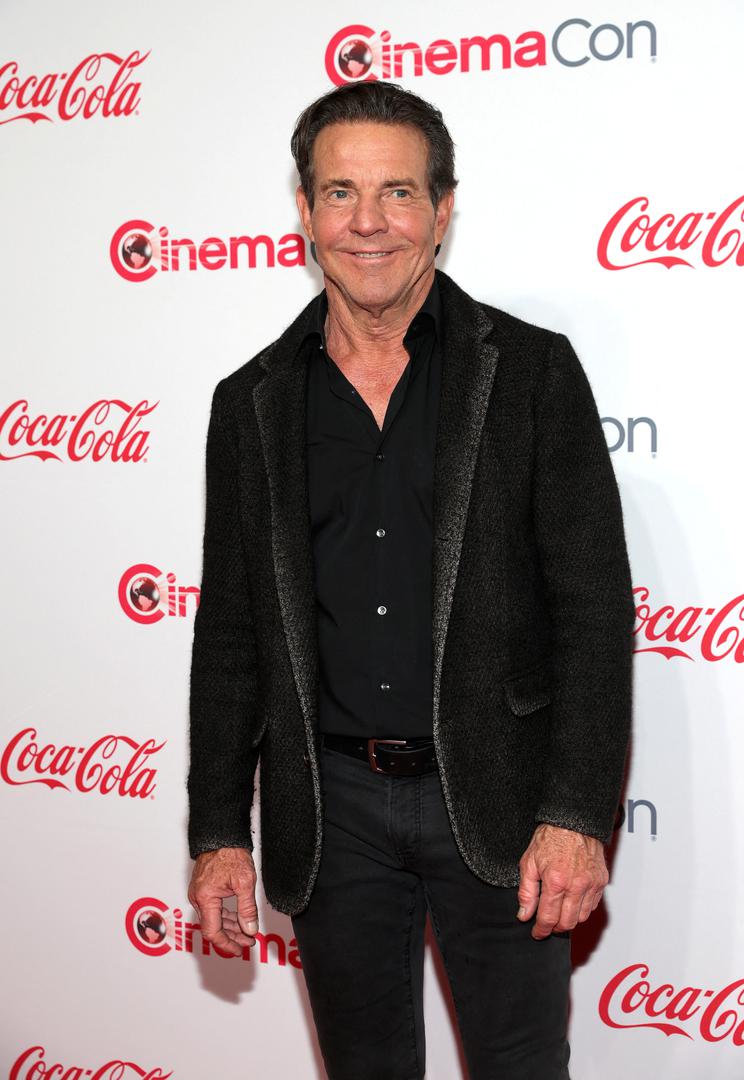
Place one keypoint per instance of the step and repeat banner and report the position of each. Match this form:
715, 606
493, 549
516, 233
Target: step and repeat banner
150, 246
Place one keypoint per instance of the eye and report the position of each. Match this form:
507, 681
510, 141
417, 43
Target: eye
401, 191
341, 192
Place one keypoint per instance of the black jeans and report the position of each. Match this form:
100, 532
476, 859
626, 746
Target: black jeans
388, 856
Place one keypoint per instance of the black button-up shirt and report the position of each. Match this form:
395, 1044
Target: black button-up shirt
371, 520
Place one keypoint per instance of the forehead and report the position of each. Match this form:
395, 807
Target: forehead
365, 147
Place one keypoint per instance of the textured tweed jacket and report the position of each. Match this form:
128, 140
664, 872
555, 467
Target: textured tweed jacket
532, 606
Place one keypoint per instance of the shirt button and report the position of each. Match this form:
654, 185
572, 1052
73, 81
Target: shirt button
384, 686
380, 532
381, 609
379, 455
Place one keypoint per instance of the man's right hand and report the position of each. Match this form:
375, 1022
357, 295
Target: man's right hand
218, 874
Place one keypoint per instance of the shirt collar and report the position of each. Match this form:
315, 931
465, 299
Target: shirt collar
428, 315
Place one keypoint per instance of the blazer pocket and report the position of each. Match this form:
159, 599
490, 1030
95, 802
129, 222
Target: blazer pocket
530, 691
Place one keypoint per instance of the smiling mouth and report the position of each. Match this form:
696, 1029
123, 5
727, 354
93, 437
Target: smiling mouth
371, 254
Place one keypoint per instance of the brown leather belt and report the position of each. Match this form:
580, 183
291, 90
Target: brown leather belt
394, 757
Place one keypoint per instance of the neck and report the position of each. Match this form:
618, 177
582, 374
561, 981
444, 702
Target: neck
373, 334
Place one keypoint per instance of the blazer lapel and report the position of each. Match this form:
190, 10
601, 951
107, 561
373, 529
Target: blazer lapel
468, 369
469, 364
279, 400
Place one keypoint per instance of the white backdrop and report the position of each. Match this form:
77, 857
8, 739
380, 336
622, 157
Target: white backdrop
191, 108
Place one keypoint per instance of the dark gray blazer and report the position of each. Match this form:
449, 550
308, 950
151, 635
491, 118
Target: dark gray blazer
533, 609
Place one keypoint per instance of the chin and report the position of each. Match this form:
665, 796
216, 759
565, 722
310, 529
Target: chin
377, 295
368, 290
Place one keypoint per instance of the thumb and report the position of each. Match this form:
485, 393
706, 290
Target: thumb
247, 910
529, 890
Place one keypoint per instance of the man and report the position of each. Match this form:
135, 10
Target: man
416, 609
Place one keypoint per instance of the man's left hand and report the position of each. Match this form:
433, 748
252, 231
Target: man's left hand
573, 873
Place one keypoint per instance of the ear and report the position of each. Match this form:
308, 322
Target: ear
305, 212
443, 215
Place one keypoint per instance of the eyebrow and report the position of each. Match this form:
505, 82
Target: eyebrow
346, 183
405, 182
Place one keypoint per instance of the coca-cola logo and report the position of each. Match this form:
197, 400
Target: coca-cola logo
111, 764
155, 929
101, 83
108, 428
138, 251
635, 236
358, 53
147, 595
716, 632
32, 1065
629, 1000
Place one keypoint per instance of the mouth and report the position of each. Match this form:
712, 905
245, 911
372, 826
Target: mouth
371, 254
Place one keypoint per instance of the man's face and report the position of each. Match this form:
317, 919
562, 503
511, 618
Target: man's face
373, 222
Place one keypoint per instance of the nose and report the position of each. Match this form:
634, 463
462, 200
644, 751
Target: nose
369, 216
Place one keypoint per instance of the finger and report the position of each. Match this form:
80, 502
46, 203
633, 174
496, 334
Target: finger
569, 912
587, 906
548, 913
232, 928
223, 942
211, 917
529, 890
230, 922
212, 928
236, 935
247, 910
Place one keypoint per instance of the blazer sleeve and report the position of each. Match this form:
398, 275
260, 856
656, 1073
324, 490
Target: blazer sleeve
224, 746
584, 560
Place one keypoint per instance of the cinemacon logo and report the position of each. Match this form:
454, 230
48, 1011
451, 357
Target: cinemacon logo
147, 595
32, 1065
155, 929
358, 53
620, 434
646, 824
101, 83
632, 1000
138, 251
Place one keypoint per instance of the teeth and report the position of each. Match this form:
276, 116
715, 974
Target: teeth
371, 254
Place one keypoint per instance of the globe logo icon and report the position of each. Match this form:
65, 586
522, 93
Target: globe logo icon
354, 58
144, 594
151, 927
136, 251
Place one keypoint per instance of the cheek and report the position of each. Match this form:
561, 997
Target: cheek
329, 226
418, 229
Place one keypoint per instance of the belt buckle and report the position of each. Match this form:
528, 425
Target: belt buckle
371, 748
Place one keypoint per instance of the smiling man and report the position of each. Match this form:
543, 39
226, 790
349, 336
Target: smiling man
416, 611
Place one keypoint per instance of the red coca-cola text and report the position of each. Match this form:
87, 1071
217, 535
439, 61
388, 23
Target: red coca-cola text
718, 630
89, 434
101, 83
30, 1065
26, 761
630, 1001
633, 237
